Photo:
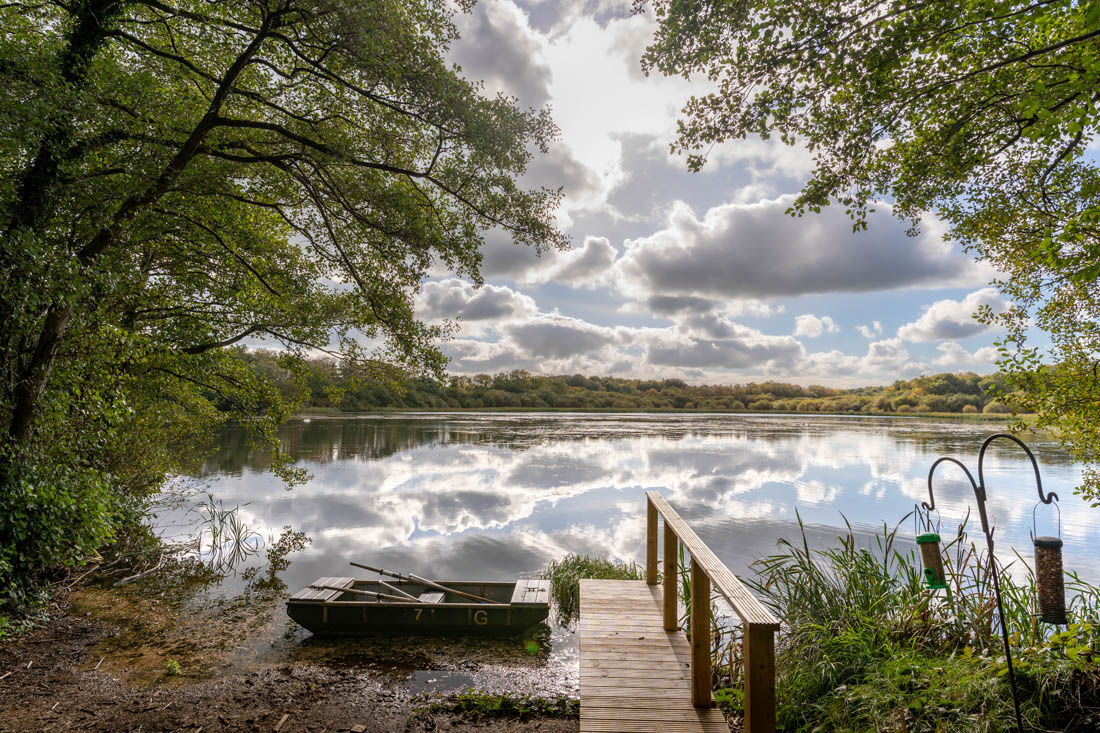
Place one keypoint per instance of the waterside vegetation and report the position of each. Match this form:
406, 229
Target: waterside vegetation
565, 576
328, 385
864, 646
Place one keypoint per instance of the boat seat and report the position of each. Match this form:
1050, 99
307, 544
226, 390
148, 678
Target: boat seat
431, 596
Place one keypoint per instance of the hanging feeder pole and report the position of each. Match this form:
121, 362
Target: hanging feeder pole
980, 496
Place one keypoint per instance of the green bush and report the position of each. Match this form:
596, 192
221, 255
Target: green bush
49, 520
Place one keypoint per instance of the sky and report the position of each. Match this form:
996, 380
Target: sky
699, 276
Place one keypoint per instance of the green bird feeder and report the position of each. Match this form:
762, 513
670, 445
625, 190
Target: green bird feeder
932, 558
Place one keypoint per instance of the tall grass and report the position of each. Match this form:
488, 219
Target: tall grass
565, 576
864, 645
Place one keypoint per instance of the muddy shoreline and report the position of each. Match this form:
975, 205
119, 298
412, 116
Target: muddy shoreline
101, 663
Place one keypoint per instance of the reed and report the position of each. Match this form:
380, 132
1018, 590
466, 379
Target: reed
864, 646
224, 540
565, 576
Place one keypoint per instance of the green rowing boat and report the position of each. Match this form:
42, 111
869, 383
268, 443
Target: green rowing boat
347, 606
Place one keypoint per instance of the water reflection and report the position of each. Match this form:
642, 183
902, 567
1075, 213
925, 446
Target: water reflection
492, 496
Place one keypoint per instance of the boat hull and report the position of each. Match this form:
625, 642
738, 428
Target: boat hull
344, 614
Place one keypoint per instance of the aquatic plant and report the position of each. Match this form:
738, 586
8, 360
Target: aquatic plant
565, 576
224, 537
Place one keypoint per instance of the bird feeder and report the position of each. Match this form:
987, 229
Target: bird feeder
1048, 576
932, 558
1048, 554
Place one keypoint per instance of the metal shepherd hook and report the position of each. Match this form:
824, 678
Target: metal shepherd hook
980, 495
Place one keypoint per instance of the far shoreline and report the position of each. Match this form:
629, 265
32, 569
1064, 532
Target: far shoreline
965, 417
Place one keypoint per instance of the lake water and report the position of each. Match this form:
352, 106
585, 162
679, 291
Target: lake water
496, 496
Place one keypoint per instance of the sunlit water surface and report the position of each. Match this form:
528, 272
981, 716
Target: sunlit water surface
497, 496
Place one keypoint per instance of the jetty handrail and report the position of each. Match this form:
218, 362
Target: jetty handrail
759, 624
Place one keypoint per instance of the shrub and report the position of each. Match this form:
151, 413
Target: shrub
969, 409
997, 408
51, 519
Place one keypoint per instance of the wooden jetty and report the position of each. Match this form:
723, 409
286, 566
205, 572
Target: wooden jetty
638, 670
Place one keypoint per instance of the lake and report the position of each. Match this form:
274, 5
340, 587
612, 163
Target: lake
496, 496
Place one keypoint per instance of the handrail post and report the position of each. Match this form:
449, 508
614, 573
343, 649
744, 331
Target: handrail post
700, 636
707, 572
672, 578
758, 652
650, 543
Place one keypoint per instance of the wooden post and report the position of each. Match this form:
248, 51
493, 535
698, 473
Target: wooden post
672, 578
759, 660
650, 543
700, 636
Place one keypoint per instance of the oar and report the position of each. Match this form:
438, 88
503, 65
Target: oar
362, 592
430, 583
397, 590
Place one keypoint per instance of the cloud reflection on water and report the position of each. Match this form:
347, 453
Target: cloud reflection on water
493, 496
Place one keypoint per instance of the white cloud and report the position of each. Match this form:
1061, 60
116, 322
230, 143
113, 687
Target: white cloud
884, 361
810, 326
552, 343
723, 345
649, 253
955, 357
498, 47
953, 319
757, 250
587, 266
556, 336
872, 331
764, 158
672, 305
457, 300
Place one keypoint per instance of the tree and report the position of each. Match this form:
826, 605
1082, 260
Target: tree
980, 112
179, 176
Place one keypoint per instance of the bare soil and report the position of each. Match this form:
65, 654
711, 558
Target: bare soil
99, 665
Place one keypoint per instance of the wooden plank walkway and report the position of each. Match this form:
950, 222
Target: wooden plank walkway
635, 676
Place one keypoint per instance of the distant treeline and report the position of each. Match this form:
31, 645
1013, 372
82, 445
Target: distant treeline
330, 386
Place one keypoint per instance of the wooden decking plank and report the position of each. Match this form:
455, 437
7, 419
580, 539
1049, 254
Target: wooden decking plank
635, 677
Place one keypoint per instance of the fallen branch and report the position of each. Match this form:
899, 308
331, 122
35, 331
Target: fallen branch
139, 576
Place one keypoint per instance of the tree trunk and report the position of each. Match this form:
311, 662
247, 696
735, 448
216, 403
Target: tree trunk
32, 382
32, 206
32, 379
